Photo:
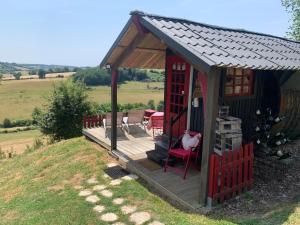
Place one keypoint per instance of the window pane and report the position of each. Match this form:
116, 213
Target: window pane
238, 80
239, 72
229, 80
237, 90
245, 90
230, 71
229, 90
246, 79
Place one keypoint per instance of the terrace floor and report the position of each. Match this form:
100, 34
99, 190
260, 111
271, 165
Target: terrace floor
131, 151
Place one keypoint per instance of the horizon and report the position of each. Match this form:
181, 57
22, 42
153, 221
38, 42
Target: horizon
79, 33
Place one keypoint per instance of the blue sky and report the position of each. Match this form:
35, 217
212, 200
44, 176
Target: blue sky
79, 32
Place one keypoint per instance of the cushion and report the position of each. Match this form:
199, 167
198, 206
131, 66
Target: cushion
189, 142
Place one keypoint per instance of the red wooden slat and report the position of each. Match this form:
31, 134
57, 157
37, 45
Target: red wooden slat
223, 176
216, 175
240, 170
234, 172
229, 174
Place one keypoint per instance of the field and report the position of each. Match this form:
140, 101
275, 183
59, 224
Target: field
18, 98
40, 188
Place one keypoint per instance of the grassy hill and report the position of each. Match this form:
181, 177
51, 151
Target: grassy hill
38, 187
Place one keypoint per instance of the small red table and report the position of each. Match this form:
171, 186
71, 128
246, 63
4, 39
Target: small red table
148, 114
156, 122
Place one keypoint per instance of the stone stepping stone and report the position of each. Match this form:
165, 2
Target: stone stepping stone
99, 187
99, 208
111, 164
106, 176
106, 193
78, 187
92, 199
156, 223
92, 180
118, 201
85, 193
140, 217
115, 182
127, 209
118, 223
109, 217
130, 177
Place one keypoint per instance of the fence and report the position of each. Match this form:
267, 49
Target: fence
230, 174
92, 121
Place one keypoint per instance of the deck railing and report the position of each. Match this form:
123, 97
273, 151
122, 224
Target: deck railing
92, 121
230, 174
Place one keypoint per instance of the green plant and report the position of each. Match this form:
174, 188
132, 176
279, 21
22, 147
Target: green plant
151, 104
38, 143
160, 106
62, 117
7, 123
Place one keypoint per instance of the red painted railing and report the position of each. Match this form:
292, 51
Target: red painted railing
92, 121
230, 174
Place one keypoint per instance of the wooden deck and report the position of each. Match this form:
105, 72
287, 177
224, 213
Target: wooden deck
131, 151
133, 145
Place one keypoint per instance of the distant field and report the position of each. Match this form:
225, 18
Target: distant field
18, 98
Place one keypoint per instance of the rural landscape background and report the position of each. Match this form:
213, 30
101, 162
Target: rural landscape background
49, 56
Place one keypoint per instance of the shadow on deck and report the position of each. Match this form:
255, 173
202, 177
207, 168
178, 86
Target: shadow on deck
131, 152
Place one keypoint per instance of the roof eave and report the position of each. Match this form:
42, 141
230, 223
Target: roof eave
193, 59
115, 44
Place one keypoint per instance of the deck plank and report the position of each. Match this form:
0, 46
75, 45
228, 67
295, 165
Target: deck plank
186, 192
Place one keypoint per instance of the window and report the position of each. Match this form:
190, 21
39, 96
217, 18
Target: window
239, 82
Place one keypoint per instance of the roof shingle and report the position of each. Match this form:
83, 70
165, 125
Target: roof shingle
218, 46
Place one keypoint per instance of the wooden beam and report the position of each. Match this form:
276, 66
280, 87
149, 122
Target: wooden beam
128, 50
141, 29
114, 79
212, 96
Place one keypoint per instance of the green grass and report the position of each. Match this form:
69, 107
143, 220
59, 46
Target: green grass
20, 135
37, 188
18, 98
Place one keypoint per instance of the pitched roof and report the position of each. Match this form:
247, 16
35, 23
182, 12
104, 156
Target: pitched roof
208, 45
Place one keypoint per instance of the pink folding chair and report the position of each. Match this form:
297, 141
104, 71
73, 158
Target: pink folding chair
176, 150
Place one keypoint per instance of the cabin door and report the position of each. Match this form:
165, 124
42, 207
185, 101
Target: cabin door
178, 73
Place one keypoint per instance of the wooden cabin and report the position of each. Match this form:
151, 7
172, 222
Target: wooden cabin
207, 67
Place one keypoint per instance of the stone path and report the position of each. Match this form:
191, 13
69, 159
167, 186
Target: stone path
134, 216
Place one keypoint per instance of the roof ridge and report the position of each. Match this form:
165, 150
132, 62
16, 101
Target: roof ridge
142, 13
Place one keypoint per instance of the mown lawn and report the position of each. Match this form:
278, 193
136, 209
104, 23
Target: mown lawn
20, 135
38, 188
18, 98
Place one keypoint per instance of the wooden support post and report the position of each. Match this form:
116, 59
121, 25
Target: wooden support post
114, 110
213, 84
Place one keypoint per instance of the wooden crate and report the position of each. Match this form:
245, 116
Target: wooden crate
223, 111
227, 142
228, 124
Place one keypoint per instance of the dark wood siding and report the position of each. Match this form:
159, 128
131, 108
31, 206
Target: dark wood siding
266, 94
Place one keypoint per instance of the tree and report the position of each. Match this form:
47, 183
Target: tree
293, 7
62, 117
41, 73
17, 75
151, 104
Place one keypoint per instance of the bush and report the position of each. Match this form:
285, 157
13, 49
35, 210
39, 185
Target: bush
160, 106
36, 115
151, 104
7, 123
62, 118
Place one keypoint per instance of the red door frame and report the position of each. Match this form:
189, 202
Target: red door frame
171, 60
